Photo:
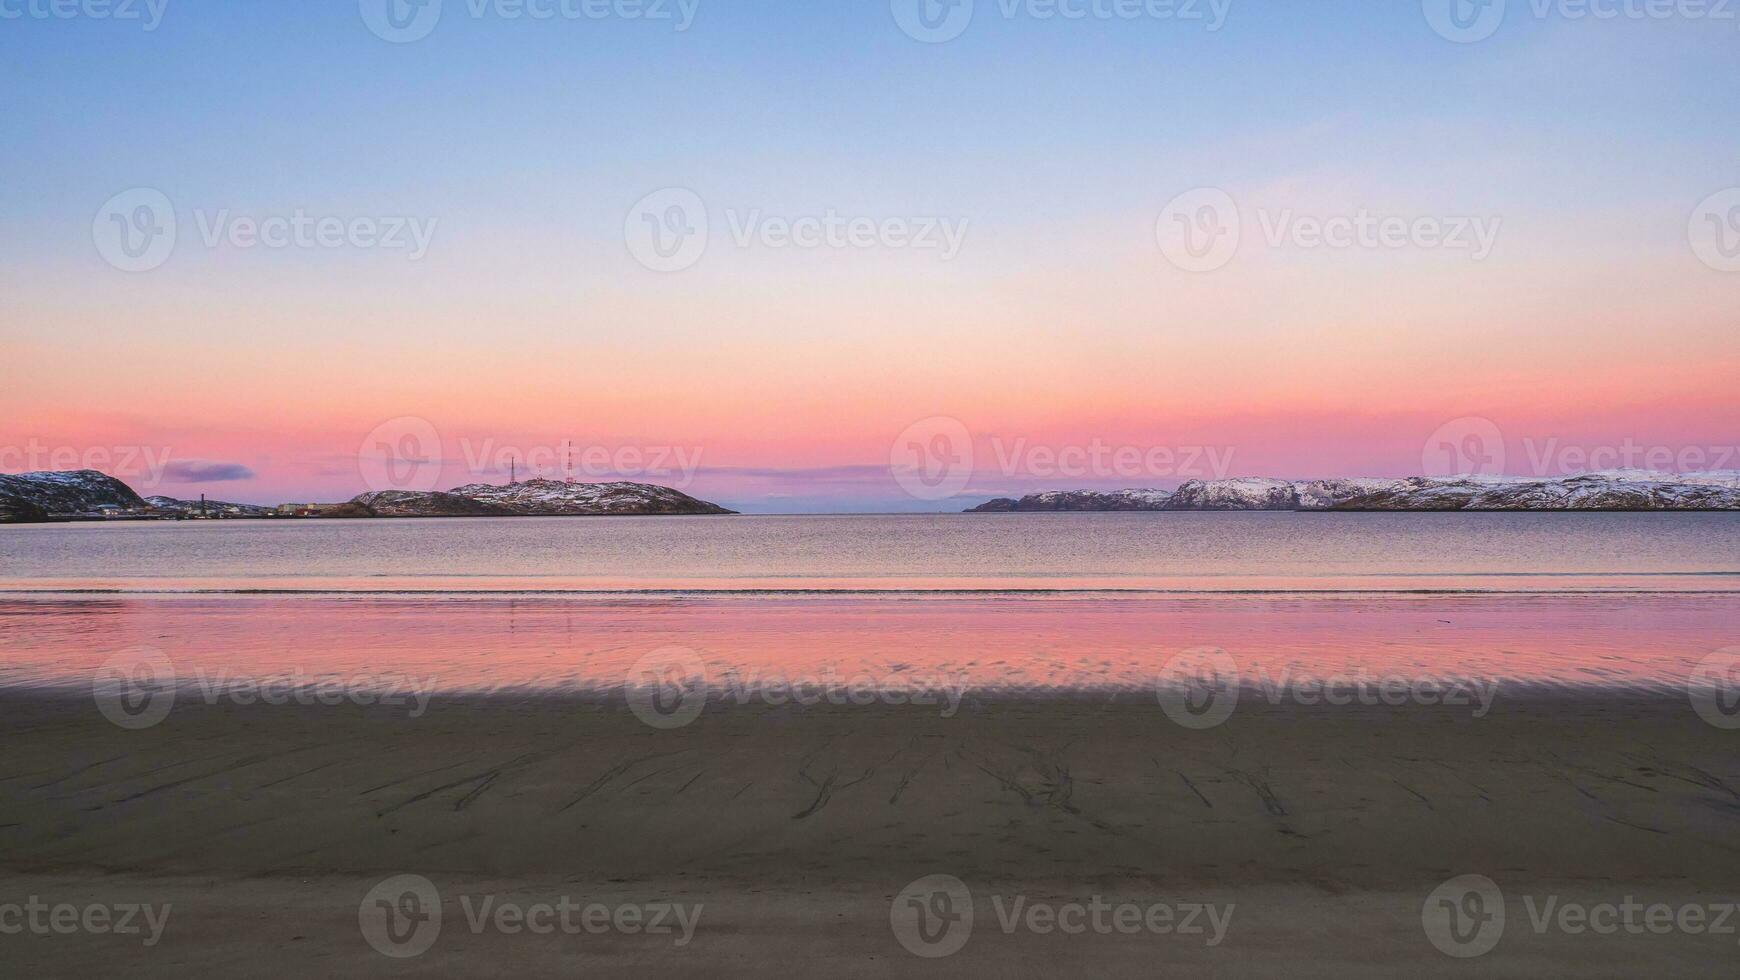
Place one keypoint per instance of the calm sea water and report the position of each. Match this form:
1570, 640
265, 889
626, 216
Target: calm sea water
1065, 602
1160, 552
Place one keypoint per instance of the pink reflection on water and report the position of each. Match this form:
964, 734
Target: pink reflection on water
1033, 643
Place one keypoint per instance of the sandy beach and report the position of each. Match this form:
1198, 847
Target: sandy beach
1316, 833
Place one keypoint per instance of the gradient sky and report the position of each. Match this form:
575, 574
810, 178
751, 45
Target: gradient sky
785, 376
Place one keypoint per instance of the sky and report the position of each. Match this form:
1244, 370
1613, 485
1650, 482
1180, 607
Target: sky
863, 256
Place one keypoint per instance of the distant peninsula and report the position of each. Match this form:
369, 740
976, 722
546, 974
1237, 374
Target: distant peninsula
1608, 490
82, 495
529, 498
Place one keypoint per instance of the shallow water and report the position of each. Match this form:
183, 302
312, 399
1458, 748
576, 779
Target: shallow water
1163, 552
1647, 643
1013, 603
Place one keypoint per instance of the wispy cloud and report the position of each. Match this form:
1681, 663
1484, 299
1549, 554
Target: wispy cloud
199, 471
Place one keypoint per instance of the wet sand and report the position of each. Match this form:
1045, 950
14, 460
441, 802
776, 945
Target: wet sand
795, 830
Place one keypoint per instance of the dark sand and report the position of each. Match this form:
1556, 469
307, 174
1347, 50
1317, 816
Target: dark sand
794, 828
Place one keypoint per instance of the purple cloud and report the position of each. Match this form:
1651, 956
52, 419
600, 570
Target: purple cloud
193, 471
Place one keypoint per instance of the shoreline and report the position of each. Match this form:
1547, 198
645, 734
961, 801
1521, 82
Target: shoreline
795, 828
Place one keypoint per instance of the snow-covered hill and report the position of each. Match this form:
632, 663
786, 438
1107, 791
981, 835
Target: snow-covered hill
550, 498
174, 505
530, 498
1605, 490
38, 496
414, 503
1077, 500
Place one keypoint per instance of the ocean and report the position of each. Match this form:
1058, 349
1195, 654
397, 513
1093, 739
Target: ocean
1056, 604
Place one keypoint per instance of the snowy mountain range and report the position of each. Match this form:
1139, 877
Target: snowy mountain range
1077, 500
529, 498
175, 505
548, 498
76, 494
1621, 490
26, 497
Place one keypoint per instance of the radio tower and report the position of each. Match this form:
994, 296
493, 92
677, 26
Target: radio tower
567, 461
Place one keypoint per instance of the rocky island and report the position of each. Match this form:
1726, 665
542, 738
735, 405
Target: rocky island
1609, 490
1077, 500
529, 498
177, 507
30, 497
89, 495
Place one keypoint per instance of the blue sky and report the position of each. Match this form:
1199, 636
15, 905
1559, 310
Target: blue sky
1059, 139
